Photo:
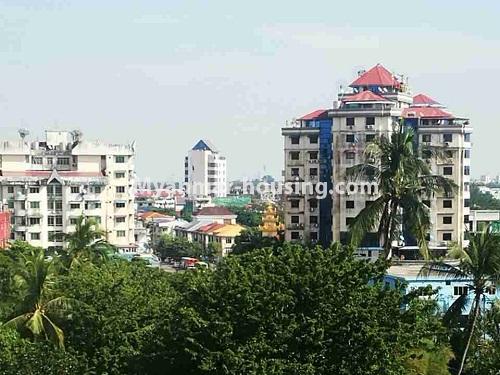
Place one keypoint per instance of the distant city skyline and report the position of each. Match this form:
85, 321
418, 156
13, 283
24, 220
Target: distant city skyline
126, 71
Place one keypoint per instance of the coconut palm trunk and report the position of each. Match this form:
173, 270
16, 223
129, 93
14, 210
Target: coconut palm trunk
472, 327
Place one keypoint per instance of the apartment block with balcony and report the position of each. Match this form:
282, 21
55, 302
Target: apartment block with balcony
373, 104
307, 145
205, 171
47, 185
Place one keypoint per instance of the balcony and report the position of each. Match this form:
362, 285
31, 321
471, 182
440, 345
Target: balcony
294, 162
20, 228
295, 226
34, 212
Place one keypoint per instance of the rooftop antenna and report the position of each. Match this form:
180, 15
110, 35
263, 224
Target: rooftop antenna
23, 133
77, 135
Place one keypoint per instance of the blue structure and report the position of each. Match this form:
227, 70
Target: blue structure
448, 290
321, 120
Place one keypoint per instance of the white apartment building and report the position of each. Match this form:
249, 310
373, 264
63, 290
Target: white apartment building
49, 184
205, 171
369, 108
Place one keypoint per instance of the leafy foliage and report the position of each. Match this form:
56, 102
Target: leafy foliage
178, 247
482, 201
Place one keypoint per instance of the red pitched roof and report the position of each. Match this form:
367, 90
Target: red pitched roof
426, 112
365, 96
314, 115
210, 227
376, 76
422, 99
213, 211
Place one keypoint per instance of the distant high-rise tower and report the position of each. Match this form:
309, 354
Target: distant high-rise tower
205, 171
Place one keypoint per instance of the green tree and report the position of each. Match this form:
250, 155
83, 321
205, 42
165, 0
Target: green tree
122, 303
291, 310
40, 308
86, 242
251, 239
177, 247
20, 356
404, 180
249, 217
479, 262
482, 201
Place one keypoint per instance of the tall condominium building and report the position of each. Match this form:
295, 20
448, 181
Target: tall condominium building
47, 185
373, 104
205, 171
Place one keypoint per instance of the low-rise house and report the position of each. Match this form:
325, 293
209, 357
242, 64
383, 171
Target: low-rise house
448, 289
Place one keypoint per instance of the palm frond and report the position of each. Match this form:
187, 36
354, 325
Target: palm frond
456, 309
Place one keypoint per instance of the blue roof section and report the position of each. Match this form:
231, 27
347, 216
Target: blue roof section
204, 145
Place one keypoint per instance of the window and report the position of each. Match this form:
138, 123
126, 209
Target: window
34, 190
75, 189
447, 219
120, 233
466, 219
74, 206
120, 204
466, 154
447, 171
446, 236
313, 171
491, 289
313, 155
448, 154
294, 155
313, 139
313, 219
50, 161
58, 205
467, 137
34, 204
460, 290
119, 174
35, 236
59, 220
120, 219
73, 221
294, 140
314, 236
51, 220
466, 202
62, 161
34, 220
294, 219
294, 203
349, 138
370, 137
349, 204
426, 138
370, 121
349, 121
97, 190
447, 203
294, 172
313, 203
37, 160
295, 235
10, 189
10, 204
92, 205
119, 159
426, 153
349, 221
447, 137
466, 170
120, 189
350, 155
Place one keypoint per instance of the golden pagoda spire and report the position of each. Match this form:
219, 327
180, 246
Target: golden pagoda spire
270, 222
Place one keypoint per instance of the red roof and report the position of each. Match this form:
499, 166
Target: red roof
426, 112
422, 99
210, 227
314, 115
365, 96
213, 211
376, 76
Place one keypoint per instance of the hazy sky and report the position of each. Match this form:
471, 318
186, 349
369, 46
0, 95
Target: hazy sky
167, 73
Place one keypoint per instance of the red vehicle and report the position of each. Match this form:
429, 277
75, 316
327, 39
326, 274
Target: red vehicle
187, 262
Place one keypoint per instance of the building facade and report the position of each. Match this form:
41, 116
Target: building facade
205, 171
323, 144
47, 185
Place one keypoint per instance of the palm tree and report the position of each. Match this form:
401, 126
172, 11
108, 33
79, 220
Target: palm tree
39, 308
479, 262
404, 180
87, 242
